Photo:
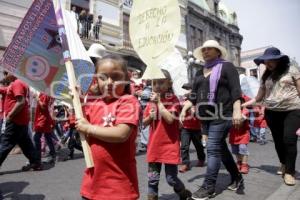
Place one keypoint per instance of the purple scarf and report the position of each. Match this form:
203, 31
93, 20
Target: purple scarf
214, 78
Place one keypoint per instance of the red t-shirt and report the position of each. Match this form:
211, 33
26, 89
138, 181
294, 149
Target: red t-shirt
241, 135
43, 122
191, 121
15, 89
163, 145
114, 175
2, 97
259, 121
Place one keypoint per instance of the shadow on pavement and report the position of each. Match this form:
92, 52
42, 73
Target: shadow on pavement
46, 166
272, 170
13, 190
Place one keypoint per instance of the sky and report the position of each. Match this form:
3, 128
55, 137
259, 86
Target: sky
269, 22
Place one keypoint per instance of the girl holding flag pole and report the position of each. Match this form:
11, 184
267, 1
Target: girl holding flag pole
111, 128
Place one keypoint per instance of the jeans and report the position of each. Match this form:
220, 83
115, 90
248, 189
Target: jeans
217, 151
17, 134
37, 140
171, 176
187, 136
283, 126
240, 149
261, 134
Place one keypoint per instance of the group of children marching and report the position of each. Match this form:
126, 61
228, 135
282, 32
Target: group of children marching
111, 125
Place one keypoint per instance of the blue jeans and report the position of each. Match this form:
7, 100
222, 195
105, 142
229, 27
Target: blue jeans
261, 134
217, 152
171, 172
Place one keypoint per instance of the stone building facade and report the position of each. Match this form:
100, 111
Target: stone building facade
201, 20
211, 19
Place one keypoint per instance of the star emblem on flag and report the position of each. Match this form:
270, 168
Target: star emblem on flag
55, 39
108, 120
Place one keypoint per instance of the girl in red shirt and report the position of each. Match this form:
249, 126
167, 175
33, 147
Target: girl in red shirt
111, 128
239, 139
163, 146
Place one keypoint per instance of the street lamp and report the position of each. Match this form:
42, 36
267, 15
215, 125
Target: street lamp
192, 65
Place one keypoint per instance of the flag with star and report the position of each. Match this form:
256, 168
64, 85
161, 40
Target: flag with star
40, 47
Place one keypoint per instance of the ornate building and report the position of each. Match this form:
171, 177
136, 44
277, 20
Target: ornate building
211, 19
201, 20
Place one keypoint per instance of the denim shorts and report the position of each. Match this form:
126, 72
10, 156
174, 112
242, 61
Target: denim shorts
240, 149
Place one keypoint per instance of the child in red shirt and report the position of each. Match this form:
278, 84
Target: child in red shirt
43, 125
239, 140
111, 129
163, 146
190, 131
260, 124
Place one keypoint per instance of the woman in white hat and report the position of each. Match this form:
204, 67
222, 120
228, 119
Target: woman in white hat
216, 94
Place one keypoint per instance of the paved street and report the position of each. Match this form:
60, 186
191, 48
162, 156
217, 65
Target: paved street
62, 182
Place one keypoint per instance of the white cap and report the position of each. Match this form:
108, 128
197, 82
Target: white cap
96, 50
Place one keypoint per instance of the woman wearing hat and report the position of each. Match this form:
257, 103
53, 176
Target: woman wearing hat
216, 94
280, 91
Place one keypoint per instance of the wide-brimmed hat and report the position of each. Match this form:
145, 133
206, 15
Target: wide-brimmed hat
271, 53
209, 43
96, 50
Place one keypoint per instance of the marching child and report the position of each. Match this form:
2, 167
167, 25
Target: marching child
111, 128
43, 125
191, 131
239, 139
163, 146
260, 124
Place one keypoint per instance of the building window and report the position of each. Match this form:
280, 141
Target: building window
196, 37
199, 37
126, 37
216, 7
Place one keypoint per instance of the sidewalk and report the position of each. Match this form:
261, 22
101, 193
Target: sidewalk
62, 182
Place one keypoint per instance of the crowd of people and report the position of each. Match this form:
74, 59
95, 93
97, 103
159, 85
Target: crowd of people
120, 106
85, 24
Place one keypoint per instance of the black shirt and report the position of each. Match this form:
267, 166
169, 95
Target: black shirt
228, 91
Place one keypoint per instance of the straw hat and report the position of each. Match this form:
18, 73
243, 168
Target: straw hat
96, 50
209, 43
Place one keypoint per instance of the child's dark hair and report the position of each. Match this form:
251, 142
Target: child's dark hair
118, 60
168, 76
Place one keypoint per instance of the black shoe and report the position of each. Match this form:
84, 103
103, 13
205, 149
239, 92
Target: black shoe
203, 193
184, 194
236, 184
34, 167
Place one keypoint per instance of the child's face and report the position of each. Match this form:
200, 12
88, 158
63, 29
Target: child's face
161, 86
111, 79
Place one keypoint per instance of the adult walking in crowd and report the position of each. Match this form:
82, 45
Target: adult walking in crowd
280, 91
216, 94
16, 111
